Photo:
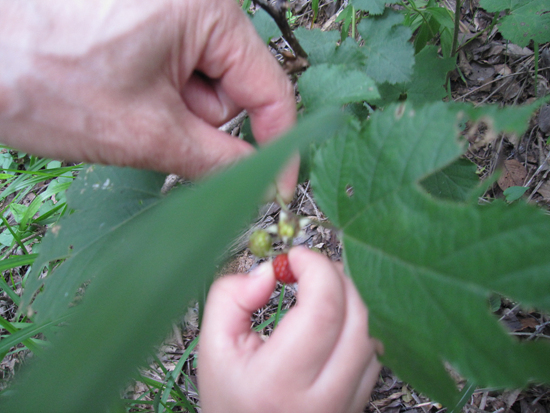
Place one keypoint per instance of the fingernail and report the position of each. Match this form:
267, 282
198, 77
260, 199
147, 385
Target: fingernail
262, 270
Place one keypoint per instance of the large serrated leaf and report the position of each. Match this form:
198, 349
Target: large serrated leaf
426, 267
105, 198
455, 182
430, 74
319, 45
386, 56
148, 272
390, 56
427, 82
325, 85
528, 19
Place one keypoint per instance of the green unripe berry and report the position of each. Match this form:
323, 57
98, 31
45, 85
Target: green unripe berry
286, 229
260, 243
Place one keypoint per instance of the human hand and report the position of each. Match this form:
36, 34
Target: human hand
319, 359
138, 83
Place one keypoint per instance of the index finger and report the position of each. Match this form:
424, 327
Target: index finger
252, 78
248, 73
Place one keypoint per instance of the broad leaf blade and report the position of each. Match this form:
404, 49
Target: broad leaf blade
325, 85
427, 267
427, 82
455, 182
528, 19
430, 74
372, 6
390, 57
399, 156
105, 198
320, 46
148, 273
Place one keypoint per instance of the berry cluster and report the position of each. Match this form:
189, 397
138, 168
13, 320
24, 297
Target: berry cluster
261, 244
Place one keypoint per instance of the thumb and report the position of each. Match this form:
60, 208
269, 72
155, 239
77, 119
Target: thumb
230, 303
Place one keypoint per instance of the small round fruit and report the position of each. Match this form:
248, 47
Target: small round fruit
282, 270
260, 243
286, 229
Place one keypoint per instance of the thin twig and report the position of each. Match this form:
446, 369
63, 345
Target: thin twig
304, 192
172, 180
277, 12
500, 77
38, 233
539, 169
456, 28
233, 123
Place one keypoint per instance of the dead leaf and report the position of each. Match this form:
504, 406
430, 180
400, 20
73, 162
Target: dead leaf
513, 174
514, 51
512, 90
544, 119
544, 190
503, 70
528, 323
464, 64
510, 397
532, 407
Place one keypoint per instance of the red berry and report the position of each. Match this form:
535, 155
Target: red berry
282, 269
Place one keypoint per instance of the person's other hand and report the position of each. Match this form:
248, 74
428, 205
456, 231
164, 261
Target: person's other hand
319, 359
138, 83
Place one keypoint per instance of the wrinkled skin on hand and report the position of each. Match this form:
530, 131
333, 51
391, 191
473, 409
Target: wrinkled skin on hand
138, 83
320, 358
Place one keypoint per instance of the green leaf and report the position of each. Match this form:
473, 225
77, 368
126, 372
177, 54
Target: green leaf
18, 211
325, 85
446, 21
430, 74
455, 182
320, 46
265, 26
528, 19
427, 83
350, 54
17, 261
106, 199
514, 193
372, 6
426, 31
390, 56
144, 274
493, 6
510, 119
427, 267
23, 335
346, 17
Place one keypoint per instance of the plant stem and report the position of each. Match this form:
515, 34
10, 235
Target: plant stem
277, 12
353, 22
279, 199
279, 306
15, 236
457, 27
536, 80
